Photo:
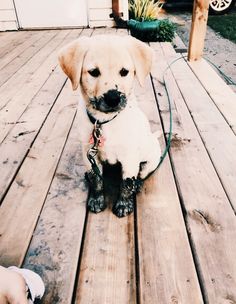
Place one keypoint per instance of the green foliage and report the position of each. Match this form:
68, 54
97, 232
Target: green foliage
145, 10
156, 30
166, 31
225, 25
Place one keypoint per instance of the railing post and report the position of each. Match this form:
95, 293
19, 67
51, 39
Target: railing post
198, 29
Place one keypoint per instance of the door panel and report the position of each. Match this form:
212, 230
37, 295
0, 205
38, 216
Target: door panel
51, 13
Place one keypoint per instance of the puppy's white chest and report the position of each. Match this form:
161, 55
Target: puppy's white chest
121, 138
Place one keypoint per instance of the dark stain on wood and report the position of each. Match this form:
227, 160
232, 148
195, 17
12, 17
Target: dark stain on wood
24, 133
231, 299
178, 142
205, 219
174, 300
63, 176
20, 183
15, 122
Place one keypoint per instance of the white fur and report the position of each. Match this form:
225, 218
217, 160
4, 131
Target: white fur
128, 138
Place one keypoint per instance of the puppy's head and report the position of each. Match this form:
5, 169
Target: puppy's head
105, 67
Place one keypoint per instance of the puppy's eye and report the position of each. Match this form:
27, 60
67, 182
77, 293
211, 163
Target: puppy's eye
124, 72
94, 72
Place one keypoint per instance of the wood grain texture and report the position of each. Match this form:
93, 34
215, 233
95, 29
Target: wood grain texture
222, 95
19, 49
26, 119
12, 39
167, 272
55, 247
16, 105
219, 139
24, 74
198, 29
209, 216
24, 52
16, 145
107, 270
21, 207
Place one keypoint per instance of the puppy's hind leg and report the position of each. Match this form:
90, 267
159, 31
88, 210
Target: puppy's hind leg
125, 202
152, 160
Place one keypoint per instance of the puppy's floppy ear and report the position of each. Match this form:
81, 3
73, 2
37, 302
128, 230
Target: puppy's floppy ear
71, 59
142, 56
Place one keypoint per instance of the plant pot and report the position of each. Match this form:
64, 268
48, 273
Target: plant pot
154, 30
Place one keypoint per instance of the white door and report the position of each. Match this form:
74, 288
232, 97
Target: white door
51, 13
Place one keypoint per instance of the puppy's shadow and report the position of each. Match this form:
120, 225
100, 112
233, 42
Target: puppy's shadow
112, 181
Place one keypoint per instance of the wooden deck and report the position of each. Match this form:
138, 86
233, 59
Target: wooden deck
180, 244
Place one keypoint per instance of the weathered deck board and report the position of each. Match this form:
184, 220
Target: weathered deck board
179, 245
219, 139
24, 120
222, 95
10, 40
209, 216
25, 73
14, 107
54, 250
16, 144
167, 272
19, 49
22, 58
107, 270
32, 182
62, 219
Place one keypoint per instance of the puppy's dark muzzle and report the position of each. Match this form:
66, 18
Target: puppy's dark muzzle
112, 98
111, 101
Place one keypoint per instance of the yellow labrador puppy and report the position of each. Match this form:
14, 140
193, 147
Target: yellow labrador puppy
105, 67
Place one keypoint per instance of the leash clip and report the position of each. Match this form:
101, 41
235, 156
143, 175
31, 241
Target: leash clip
93, 151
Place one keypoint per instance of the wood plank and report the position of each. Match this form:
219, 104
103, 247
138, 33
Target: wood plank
18, 50
14, 107
107, 267
12, 39
62, 219
54, 249
107, 271
23, 131
208, 214
22, 76
218, 137
222, 95
21, 207
198, 29
167, 272
178, 44
21, 61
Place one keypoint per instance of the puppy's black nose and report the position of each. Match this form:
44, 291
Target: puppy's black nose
112, 98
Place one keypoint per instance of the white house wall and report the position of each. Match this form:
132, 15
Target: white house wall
8, 20
99, 12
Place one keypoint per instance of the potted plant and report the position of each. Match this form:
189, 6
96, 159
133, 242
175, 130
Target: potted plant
144, 23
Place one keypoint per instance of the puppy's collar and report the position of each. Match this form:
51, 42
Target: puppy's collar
94, 120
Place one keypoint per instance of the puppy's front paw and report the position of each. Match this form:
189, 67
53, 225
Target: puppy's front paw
96, 203
123, 207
